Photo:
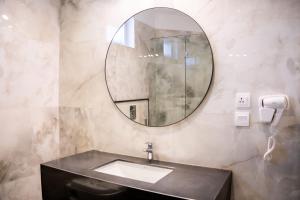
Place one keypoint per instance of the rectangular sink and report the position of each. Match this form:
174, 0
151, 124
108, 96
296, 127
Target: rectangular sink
139, 172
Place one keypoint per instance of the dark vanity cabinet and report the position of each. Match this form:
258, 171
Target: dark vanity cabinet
62, 185
74, 178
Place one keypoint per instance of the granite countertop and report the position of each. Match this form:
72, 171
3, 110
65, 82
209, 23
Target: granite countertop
185, 181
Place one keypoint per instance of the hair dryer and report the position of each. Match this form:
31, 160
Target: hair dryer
271, 108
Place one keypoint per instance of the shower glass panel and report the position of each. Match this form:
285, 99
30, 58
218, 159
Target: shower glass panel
167, 83
180, 77
198, 71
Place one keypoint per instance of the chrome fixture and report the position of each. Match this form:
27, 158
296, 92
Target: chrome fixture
149, 151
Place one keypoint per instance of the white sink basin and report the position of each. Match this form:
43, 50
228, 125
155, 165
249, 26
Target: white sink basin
134, 171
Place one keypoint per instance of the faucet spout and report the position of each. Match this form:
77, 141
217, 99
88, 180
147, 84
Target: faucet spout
149, 151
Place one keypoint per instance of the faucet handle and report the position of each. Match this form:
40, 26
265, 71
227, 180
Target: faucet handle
149, 151
149, 144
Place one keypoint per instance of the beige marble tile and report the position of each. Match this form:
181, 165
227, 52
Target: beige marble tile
255, 49
29, 53
23, 188
255, 45
29, 64
29, 137
74, 134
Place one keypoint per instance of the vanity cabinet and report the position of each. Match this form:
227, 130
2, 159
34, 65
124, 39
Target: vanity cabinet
74, 178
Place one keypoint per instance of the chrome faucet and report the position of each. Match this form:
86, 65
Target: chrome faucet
149, 151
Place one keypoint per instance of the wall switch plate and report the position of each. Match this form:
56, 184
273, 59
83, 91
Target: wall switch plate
242, 118
242, 100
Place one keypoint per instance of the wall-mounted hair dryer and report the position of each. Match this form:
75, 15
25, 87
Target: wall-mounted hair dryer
271, 108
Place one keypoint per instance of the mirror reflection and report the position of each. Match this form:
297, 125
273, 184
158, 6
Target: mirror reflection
159, 67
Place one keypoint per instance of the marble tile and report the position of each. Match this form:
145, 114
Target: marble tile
255, 50
74, 134
29, 53
255, 47
29, 137
29, 64
133, 74
23, 188
94, 39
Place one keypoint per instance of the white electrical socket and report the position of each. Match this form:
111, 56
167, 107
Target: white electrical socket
242, 100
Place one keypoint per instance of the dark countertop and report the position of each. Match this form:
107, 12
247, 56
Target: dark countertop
186, 181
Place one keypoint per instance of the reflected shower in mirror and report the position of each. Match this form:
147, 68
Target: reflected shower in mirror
159, 67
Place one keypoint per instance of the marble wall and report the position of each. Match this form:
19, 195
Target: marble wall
29, 63
256, 49
129, 70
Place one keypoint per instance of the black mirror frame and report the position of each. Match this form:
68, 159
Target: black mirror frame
209, 86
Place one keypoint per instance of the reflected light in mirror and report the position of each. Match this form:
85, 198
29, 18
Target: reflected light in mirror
5, 17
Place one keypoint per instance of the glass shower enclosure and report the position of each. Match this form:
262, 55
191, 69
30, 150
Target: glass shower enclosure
179, 69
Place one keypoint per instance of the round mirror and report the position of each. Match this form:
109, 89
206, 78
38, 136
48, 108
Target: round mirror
159, 67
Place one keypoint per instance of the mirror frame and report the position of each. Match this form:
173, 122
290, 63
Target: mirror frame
210, 82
